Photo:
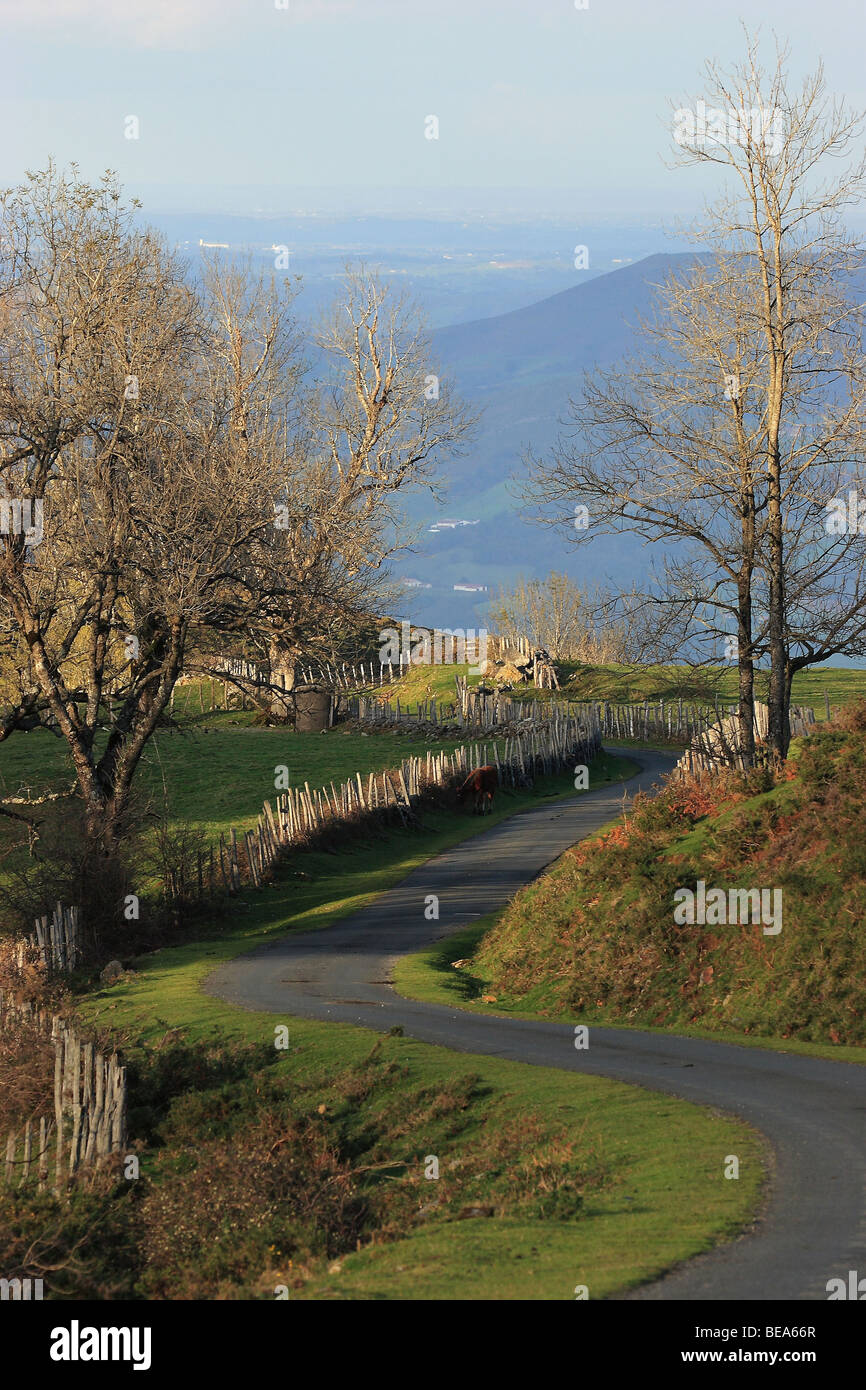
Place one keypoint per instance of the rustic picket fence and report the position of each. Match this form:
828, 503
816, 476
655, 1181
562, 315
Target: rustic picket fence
670, 721
473, 706
228, 679
90, 1106
368, 672
300, 812
720, 745
56, 940
448, 647
355, 675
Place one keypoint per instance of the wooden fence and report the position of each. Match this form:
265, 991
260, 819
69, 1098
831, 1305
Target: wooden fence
56, 940
359, 674
672, 721
90, 1106
299, 812
719, 745
231, 686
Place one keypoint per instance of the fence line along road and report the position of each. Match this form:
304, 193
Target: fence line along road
300, 812
538, 737
667, 721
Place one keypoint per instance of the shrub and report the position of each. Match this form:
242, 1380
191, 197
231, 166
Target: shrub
81, 1247
159, 1075
276, 1196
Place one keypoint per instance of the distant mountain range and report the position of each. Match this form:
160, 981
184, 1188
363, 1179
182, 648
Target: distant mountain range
521, 368
455, 269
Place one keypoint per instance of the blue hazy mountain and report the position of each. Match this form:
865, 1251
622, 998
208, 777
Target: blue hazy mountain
455, 270
520, 369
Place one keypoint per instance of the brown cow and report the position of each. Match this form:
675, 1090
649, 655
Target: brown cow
482, 782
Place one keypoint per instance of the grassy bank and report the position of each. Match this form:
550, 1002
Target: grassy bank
594, 940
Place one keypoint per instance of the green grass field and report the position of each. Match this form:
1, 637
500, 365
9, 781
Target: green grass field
216, 776
629, 684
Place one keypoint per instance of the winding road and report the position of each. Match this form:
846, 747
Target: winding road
813, 1112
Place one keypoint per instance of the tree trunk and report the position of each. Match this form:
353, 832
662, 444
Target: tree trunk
283, 663
746, 686
745, 657
778, 732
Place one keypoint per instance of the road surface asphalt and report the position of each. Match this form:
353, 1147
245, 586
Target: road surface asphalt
813, 1112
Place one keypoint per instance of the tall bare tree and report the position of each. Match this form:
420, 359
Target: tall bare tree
725, 441
797, 162
378, 422
116, 418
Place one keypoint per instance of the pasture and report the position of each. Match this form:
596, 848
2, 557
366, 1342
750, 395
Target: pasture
633, 684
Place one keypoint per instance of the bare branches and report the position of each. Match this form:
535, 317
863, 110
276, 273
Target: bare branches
187, 479
568, 622
745, 413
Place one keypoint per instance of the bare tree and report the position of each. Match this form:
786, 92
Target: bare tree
727, 437
378, 423
118, 419
186, 481
796, 162
564, 619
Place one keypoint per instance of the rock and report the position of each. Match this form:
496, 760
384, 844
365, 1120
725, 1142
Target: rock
509, 673
468, 1212
111, 972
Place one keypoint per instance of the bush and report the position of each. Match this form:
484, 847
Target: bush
158, 1076
272, 1198
81, 1247
27, 1069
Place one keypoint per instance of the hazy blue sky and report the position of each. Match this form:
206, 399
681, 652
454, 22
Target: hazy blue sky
242, 104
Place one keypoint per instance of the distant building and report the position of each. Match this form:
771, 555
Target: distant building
450, 525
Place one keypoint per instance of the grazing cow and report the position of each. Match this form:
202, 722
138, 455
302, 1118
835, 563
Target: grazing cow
482, 783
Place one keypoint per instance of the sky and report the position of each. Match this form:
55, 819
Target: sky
317, 105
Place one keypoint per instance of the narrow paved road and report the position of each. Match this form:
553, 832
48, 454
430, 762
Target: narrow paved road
813, 1112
